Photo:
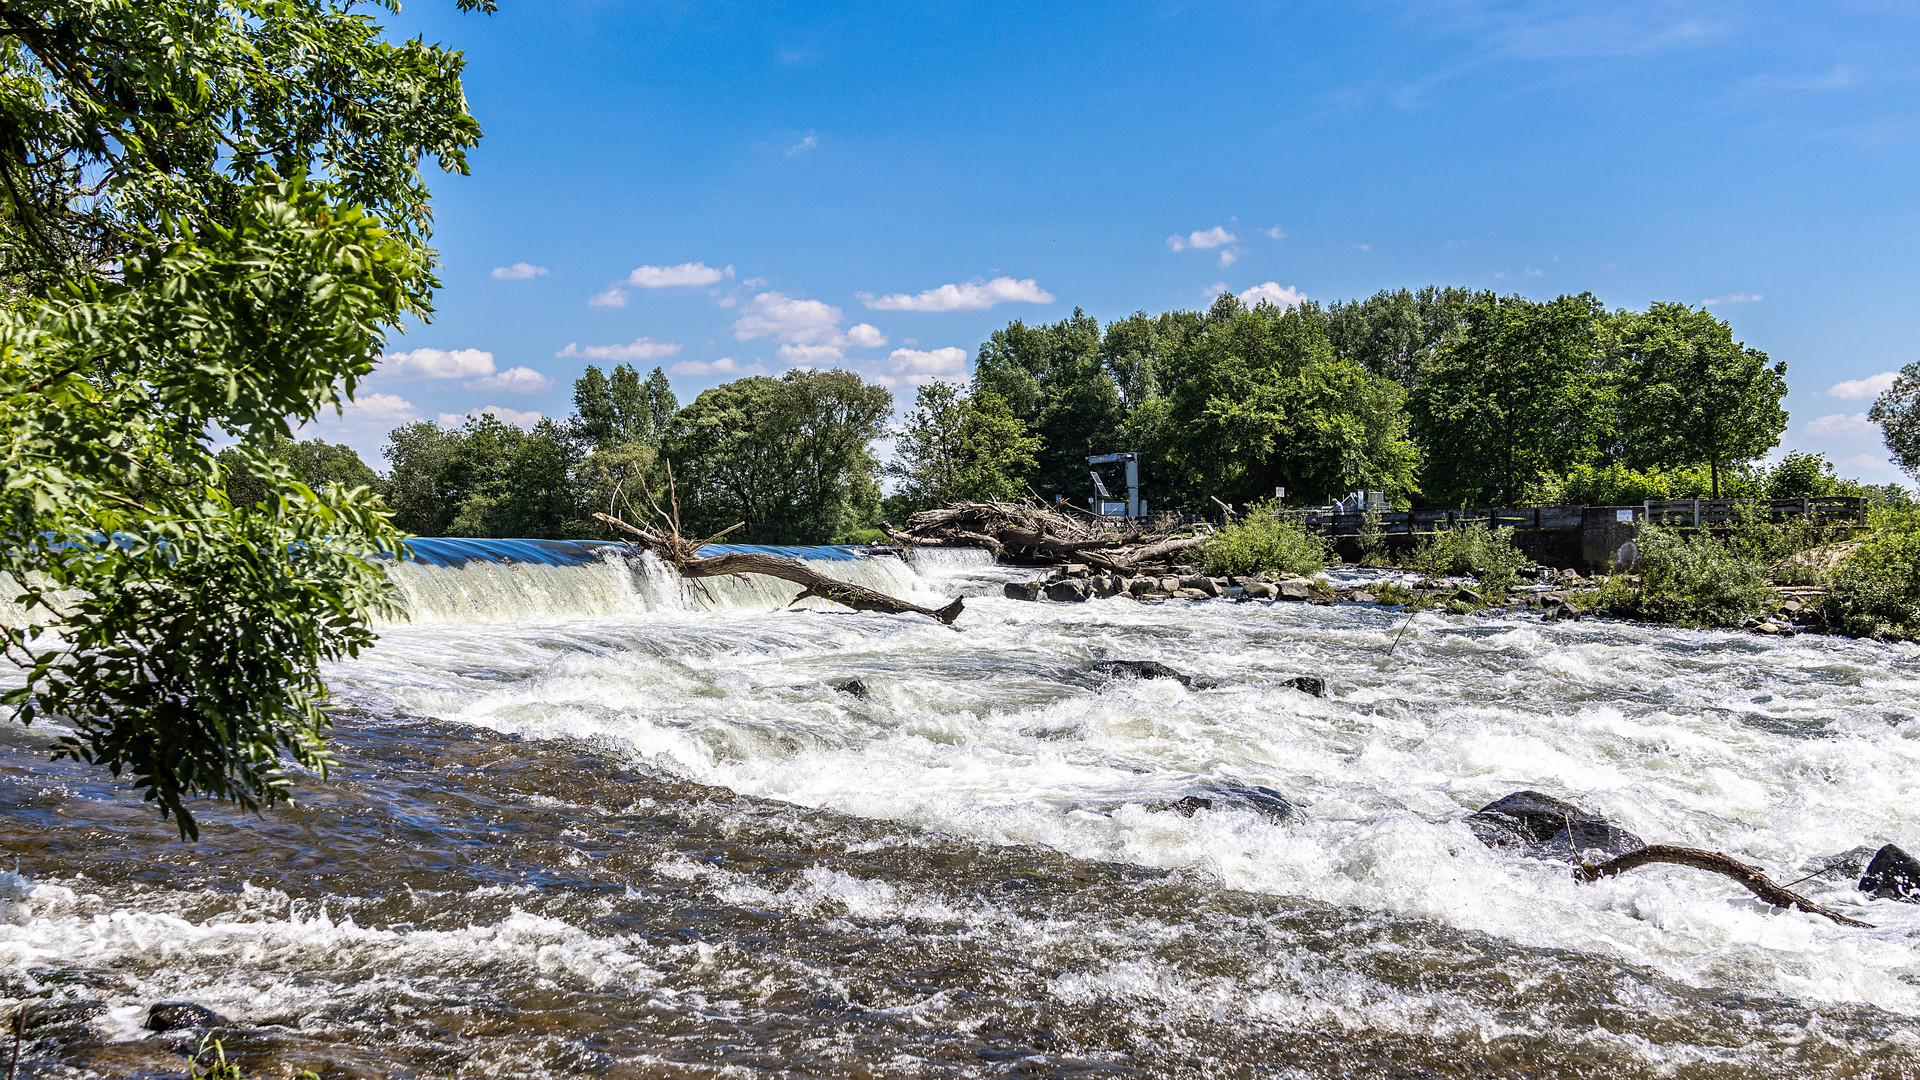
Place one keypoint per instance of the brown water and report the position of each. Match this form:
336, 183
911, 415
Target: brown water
656, 845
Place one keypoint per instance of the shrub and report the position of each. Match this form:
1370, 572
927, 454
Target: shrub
1470, 548
1876, 590
1265, 540
1697, 580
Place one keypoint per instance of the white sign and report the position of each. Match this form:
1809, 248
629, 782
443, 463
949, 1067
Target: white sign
1625, 517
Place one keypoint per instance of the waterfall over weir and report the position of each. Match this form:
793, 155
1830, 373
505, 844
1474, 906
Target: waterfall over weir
460, 580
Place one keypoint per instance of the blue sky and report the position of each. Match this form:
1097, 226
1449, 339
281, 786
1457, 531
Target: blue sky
722, 189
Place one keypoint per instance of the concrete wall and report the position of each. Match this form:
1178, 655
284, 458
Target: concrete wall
1603, 530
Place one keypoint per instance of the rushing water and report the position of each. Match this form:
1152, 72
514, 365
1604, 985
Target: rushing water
589, 822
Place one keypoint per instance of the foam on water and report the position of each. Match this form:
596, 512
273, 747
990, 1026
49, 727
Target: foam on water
1775, 751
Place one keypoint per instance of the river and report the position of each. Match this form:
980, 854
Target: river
586, 823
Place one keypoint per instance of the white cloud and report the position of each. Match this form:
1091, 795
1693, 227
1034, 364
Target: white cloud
437, 364
865, 336
1280, 296
1860, 389
641, 348
1364, 247
1228, 257
1732, 298
1842, 426
514, 380
1277, 233
613, 297
803, 145
917, 367
726, 365
522, 420
1203, 239
1864, 463
812, 355
969, 296
666, 277
798, 322
519, 271
378, 408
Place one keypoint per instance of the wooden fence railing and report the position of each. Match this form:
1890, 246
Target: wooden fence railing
1412, 521
1833, 510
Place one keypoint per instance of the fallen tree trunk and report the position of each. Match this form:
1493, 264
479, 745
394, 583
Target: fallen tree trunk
1755, 882
1159, 550
681, 556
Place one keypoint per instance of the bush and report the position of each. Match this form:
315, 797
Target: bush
1876, 590
1264, 540
1697, 580
1470, 548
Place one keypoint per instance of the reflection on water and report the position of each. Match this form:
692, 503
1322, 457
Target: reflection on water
647, 837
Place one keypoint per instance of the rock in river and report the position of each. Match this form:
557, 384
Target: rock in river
175, 1015
1893, 875
1545, 827
1260, 800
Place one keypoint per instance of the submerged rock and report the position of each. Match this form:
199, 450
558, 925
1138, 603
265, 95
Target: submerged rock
1893, 875
1545, 827
1261, 800
177, 1015
1310, 684
851, 686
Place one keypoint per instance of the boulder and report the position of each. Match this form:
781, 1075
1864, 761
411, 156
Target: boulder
1361, 596
1564, 613
1022, 590
1261, 800
1468, 596
851, 687
1139, 669
1104, 585
1295, 589
1259, 590
1142, 586
1309, 684
1070, 590
1191, 594
1545, 827
1072, 570
1200, 583
1893, 875
1167, 586
178, 1015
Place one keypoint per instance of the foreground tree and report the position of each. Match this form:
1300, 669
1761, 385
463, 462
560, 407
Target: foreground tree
957, 447
1691, 395
210, 217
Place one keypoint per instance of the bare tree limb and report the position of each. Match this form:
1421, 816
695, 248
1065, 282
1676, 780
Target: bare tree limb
1716, 862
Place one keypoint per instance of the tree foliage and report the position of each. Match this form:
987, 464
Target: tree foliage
960, 447
1691, 395
1897, 411
210, 216
790, 457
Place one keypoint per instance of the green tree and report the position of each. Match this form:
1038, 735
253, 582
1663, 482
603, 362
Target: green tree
956, 447
1054, 380
174, 271
1518, 397
1257, 400
1897, 411
1396, 335
484, 479
595, 420
314, 462
790, 457
1691, 395
612, 411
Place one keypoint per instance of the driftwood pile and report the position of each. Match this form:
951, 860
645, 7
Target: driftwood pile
1028, 533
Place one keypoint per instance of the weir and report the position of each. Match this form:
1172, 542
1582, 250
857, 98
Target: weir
448, 579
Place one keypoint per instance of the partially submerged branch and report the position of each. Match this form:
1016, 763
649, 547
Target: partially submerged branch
1755, 882
683, 556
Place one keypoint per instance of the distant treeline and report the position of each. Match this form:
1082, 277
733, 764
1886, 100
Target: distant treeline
1441, 397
